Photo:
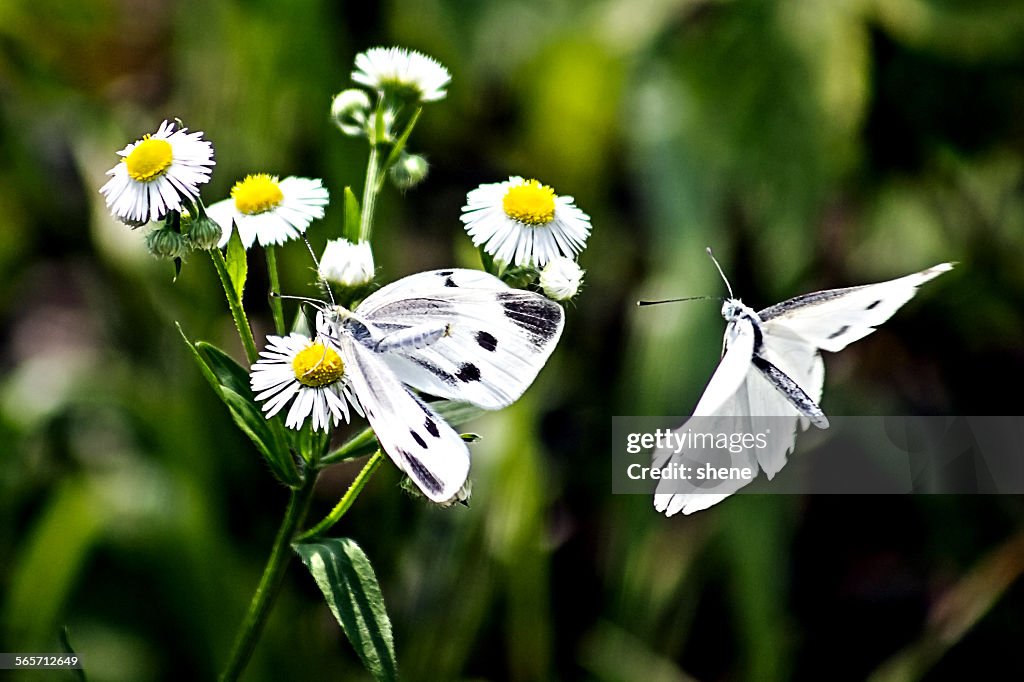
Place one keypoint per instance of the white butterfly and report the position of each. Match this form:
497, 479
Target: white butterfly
771, 367
458, 334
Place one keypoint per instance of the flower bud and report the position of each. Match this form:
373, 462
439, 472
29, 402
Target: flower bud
166, 243
349, 109
409, 171
347, 264
561, 278
204, 233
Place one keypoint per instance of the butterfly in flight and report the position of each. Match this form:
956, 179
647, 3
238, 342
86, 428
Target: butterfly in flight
458, 334
771, 368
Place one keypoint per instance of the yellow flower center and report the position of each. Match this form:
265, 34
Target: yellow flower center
531, 203
256, 194
150, 159
318, 366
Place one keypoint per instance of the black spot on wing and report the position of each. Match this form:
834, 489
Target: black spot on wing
842, 330
873, 305
445, 273
431, 428
534, 314
449, 282
487, 341
418, 438
468, 372
419, 473
441, 374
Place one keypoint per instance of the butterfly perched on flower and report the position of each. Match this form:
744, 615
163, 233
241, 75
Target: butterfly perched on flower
463, 335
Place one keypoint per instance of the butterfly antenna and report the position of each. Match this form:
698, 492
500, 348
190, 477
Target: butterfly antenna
675, 300
315, 302
319, 280
724, 278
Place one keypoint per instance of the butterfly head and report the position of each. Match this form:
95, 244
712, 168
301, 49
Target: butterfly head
731, 309
735, 309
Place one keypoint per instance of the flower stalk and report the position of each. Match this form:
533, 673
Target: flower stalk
275, 290
345, 503
270, 583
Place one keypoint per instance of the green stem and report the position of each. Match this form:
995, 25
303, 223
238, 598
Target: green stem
275, 290
371, 188
396, 150
270, 583
352, 448
235, 303
346, 501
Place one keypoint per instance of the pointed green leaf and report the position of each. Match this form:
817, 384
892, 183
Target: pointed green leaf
204, 368
252, 423
229, 373
238, 266
351, 216
231, 384
345, 576
236, 394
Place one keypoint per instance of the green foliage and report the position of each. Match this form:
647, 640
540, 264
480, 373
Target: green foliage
344, 574
230, 382
351, 207
237, 263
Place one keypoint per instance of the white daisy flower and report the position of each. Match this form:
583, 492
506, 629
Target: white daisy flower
307, 373
404, 72
561, 278
347, 264
271, 210
523, 222
157, 173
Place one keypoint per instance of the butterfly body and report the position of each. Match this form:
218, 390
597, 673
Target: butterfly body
772, 373
462, 335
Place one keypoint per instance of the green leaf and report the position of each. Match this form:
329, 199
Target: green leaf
236, 394
457, 414
229, 373
203, 367
351, 232
252, 423
238, 266
345, 576
231, 384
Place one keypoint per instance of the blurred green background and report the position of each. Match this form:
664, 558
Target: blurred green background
812, 144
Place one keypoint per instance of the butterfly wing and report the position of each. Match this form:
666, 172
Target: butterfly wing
835, 318
495, 339
416, 438
723, 408
755, 408
732, 370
